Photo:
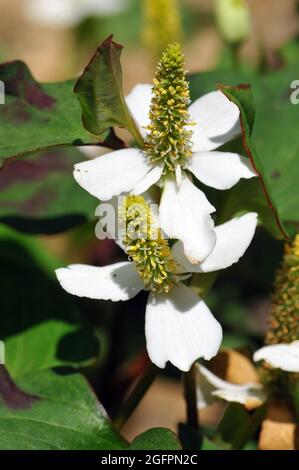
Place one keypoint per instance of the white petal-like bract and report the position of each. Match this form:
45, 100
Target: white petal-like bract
180, 328
220, 170
232, 240
184, 213
280, 356
119, 281
210, 387
113, 173
217, 121
138, 102
149, 180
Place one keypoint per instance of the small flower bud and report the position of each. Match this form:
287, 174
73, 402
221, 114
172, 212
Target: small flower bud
233, 19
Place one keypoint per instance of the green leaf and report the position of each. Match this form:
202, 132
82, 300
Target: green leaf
274, 138
53, 410
238, 426
247, 195
41, 325
290, 52
242, 96
40, 195
100, 92
37, 116
251, 445
207, 444
156, 439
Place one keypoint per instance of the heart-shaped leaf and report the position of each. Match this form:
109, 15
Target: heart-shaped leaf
53, 410
38, 116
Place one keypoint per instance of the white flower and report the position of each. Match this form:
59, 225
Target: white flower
280, 356
179, 326
184, 212
251, 395
210, 388
64, 13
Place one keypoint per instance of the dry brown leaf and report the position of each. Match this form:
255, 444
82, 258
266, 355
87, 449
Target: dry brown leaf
234, 366
279, 429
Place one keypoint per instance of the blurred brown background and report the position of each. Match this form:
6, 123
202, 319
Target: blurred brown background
52, 53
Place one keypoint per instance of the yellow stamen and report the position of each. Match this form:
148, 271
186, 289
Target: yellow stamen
168, 142
146, 246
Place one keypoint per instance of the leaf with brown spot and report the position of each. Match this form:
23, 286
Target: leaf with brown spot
13, 397
40, 195
67, 416
38, 116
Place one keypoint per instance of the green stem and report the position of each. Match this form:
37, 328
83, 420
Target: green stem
136, 395
235, 48
246, 434
190, 397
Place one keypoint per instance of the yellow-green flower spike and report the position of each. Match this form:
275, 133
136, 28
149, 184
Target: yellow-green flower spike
284, 312
284, 320
162, 24
168, 142
146, 247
